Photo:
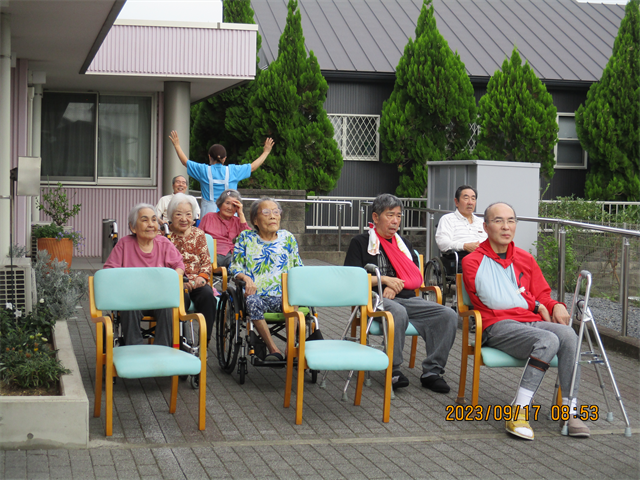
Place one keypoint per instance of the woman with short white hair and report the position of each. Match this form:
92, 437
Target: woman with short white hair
192, 245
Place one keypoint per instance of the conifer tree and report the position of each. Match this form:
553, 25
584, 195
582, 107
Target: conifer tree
287, 105
225, 118
608, 123
518, 118
428, 115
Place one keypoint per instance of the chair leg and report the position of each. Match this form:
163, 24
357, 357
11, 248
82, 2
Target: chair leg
463, 375
109, 394
202, 412
475, 385
386, 408
414, 349
174, 394
300, 391
99, 363
359, 384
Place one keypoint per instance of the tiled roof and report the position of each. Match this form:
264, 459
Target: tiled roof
563, 40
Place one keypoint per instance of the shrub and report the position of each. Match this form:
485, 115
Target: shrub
60, 291
26, 358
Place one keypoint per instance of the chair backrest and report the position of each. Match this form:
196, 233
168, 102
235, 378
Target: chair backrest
136, 288
212, 246
465, 296
329, 286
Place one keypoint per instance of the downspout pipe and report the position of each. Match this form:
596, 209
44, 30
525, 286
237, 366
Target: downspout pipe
5, 134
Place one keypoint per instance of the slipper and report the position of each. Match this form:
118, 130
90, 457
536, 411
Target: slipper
274, 357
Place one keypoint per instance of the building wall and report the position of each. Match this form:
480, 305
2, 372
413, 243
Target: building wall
103, 203
363, 178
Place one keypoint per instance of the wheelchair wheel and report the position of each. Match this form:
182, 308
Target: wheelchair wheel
226, 333
434, 277
194, 381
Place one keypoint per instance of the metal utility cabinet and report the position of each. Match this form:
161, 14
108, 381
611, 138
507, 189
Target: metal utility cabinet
515, 183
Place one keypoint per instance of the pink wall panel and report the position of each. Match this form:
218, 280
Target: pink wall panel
101, 203
177, 51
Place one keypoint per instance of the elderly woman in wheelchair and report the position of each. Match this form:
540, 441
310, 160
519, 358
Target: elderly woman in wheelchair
145, 248
224, 225
260, 257
192, 245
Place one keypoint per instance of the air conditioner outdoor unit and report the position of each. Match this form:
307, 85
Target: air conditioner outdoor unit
17, 285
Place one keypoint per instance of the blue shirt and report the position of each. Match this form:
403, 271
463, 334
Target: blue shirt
213, 178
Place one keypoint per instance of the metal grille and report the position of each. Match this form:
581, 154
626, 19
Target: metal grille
15, 287
473, 139
357, 136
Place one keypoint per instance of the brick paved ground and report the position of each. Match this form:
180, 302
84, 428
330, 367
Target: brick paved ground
250, 435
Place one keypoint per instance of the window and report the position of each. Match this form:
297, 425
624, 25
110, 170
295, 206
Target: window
97, 139
357, 136
568, 151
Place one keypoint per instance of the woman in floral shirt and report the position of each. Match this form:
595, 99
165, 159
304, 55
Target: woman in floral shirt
192, 245
260, 257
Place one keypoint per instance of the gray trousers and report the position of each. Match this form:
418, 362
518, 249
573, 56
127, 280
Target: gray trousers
436, 324
542, 340
131, 326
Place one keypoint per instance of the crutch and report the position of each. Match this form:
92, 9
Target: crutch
584, 316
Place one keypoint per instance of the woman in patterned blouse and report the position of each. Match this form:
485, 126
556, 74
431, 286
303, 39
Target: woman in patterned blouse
260, 257
192, 245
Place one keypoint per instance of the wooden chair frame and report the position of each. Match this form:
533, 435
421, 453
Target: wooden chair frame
474, 349
105, 358
295, 319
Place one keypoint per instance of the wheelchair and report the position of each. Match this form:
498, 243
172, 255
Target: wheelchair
441, 272
237, 342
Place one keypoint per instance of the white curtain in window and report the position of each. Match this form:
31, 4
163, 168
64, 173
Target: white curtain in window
124, 136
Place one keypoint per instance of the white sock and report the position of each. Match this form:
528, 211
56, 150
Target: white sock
574, 405
523, 397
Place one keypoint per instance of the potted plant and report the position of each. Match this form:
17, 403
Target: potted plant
54, 238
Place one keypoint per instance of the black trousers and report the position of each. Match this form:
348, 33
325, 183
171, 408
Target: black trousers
205, 303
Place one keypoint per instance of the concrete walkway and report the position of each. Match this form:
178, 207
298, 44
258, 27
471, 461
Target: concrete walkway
250, 435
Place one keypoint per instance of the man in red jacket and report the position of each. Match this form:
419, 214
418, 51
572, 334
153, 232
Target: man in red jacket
519, 316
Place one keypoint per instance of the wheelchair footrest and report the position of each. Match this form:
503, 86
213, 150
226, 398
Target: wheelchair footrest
258, 362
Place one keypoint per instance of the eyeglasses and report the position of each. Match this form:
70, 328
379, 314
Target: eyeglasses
501, 221
266, 212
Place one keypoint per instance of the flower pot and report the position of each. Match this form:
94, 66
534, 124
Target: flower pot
61, 250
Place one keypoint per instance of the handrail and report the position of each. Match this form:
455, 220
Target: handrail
624, 281
339, 203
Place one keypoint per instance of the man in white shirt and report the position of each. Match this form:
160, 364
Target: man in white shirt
180, 185
461, 231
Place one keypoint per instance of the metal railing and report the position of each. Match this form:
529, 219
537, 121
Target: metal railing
561, 224
607, 209
339, 204
322, 218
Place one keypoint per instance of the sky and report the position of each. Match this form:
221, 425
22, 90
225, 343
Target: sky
209, 11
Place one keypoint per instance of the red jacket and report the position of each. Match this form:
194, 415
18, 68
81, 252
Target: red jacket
505, 289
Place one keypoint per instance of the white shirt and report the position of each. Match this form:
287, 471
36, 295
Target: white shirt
454, 230
163, 204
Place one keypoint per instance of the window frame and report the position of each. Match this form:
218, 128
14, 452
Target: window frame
150, 181
583, 166
342, 146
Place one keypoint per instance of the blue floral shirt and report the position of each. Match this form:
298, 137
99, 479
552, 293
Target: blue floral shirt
265, 261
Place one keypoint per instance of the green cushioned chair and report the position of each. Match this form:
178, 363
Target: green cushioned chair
332, 287
123, 289
487, 356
